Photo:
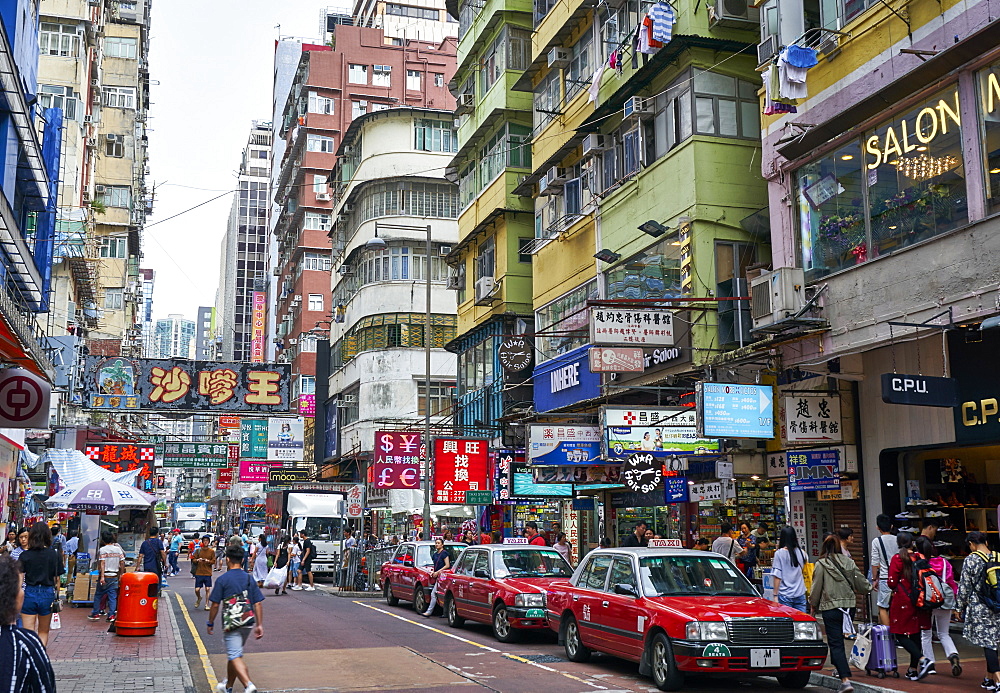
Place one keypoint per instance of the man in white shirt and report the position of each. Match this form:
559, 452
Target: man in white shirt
110, 562
726, 546
883, 549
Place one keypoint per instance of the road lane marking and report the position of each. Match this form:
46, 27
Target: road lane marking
484, 647
206, 663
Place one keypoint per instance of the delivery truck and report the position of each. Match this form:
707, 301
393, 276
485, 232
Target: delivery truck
319, 513
191, 519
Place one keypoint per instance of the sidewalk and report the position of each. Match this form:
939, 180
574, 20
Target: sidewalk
88, 659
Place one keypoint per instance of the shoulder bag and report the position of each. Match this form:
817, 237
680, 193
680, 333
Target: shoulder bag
237, 611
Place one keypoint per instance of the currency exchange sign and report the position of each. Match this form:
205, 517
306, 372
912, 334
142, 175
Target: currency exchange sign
460, 465
397, 460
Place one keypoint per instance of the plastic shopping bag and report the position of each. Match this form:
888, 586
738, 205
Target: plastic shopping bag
861, 650
276, 578
55, 623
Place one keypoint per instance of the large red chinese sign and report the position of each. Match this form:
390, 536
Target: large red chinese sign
460, 465
397, 460
125, 457
118, 383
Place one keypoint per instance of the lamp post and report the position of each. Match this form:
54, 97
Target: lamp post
377, 243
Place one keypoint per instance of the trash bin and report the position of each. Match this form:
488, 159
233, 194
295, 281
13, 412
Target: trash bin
138, 598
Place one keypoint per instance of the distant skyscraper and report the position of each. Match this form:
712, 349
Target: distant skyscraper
147, 277
204, 338
174, 337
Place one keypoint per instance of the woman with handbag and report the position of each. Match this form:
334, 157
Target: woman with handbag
42, 567
982, 624
835, 583
906, 620
940, 617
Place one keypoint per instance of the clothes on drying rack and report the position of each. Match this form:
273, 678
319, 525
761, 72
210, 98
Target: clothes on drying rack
663, 17
773, 104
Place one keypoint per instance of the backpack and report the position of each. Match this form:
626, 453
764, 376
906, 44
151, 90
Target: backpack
927, 588
237, 611
989, 590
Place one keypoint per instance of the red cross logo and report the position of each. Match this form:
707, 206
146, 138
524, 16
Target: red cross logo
629, 418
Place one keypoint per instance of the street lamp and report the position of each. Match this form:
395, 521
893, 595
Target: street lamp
376, 243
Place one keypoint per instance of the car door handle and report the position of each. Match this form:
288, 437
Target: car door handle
576, 598
604, 603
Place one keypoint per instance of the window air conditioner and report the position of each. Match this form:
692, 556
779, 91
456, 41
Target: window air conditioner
558, 57
456, 282
767, 49
485, 287
466, 102
293, 340
594, 143
347, 208
444, 250
739, 14
548, 186
349, 399
636, 107
100, 189
556, 175
91, 141
89, 119
777, 295
297, 298
323, 197
276, 271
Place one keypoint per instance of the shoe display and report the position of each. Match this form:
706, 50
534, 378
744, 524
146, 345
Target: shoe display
908, 516
936, 513
911, 530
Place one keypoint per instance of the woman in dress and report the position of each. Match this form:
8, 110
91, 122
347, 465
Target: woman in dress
281, 560
905, 620
260, 560
982, 624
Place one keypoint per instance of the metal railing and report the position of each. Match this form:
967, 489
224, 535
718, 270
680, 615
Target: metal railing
363, 569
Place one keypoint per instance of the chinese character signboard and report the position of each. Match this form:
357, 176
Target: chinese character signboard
632, 326
736, 411
228, 422
259, 327
195, 455
253, 438
501, 474
397, 460
556, 445
285, 439
177, 385
254, 471
661, 431
617, 360
711, 491
307, 405
813, 470
596, 474
124, 457
460, 465
812, 419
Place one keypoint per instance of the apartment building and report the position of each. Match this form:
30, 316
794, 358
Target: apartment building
175, 337
420, 20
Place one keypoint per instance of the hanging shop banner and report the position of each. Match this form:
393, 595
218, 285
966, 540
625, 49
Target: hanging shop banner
24, 399
211, 455
728, 410
178, 385
642, 472
812, 419
253, 438
224, 479
523, 484
617, 360
919, 390
976, 368
676, 490
565, 380
460, 465
515, 353
595, 474
125, 457
254, 471
706, 492
307, 405
396, 460
258, 332
285, 439
777, 465
661, 431
812, 470
632, 326
563, 445
501, 473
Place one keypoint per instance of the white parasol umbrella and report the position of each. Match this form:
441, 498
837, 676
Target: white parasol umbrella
102, 495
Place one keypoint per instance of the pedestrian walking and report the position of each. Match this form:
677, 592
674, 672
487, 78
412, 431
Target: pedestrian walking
905, 619
883, 546
70, 548
110, 566
442, 561
940, 617
220, 551
531, 532
638, 536
202, 561
295, 560
281, 560
350, 545
240, 592
42, 567
308, 553
173, 551
836, 580
786, 570
154, 554
10, 543
22, 544
24, 663
259, 560
982, 624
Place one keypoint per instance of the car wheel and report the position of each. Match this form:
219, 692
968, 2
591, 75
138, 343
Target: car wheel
502, 630
389, 598
664, 667
794, 679
419, 600
575, 650
451, 610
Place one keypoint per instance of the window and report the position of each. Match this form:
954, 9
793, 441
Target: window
413, 80
486, 259
120, 47
114, 299
315, 302
438, 79
652, 273
60, 39
581, 66
51, 96
672, 117
376, 107
381, 75
406, 198
596, 573
441, 397
510, 146
723, 106
357, 74
546, 99
522, 253
572, 196
631, 149
307, 342
547, 216
319, 184
482, 564
510, 50
622, 574
307, 383
316, 261
477, 367
117, 196
732, 260
397, 263
114, 145
563, 324
119, 97
316, 221
320, 104
319, 143
989, 105
392, 330
350, 408
414, 12
358, 108
435, 136
113, 246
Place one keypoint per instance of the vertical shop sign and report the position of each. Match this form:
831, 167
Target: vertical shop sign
676, 490
797, 512
571, 523
812, 419
259, 328
253, 438
254, 471
777, 465
460, 465
397, 460
501, 476
813, 470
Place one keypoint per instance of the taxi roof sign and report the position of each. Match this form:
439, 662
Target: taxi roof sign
515, 540
665, 544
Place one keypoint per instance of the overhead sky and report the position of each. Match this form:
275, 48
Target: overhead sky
211, 64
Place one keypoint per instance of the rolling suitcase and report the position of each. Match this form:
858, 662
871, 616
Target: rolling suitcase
882, 660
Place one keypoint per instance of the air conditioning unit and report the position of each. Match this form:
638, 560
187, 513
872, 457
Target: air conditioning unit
777, 295
276, 271
556, 175
323, 197
594, 143
485, 286
95, 97
347, 208
456, 282
100, 189
86, 196
345, 271
738, 14
293, 340
636, 107
465, 103
91, 141
444, 250
349, 399
767, 49
87, 119
558, 57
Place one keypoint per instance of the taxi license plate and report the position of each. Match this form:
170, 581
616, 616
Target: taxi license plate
535, 613
769, 658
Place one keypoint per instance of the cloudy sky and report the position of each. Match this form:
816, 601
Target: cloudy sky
211, 66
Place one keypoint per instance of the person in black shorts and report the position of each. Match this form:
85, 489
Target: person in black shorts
308, 553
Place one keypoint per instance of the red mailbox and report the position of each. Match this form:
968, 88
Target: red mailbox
138, 598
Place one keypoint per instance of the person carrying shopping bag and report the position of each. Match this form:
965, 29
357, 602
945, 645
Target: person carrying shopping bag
982, 623
940, 617
905, 619
835, 583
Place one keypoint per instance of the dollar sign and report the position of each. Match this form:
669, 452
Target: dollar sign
387, 443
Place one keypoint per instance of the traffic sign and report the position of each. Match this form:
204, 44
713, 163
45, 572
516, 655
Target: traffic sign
479, 497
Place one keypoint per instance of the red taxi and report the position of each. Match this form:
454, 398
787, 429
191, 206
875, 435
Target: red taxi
679, 612
407, 575
503, 585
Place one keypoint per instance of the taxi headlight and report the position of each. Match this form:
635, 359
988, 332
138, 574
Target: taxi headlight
529, 600
706, 630
806, 630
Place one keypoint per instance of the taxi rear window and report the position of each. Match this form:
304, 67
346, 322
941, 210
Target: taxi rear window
530, 563
692, 575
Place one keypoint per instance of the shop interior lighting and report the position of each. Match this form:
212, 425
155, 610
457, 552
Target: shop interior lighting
847, 157
653, 228
995, 170
608, 256
924, 166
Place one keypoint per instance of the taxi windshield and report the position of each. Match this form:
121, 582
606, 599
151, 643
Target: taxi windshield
424, 554
530, 563
692, 575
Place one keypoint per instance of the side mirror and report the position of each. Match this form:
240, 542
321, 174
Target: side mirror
624, 588
407, 564
482, 573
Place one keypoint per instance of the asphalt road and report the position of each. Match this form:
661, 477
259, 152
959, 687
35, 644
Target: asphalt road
314, 641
